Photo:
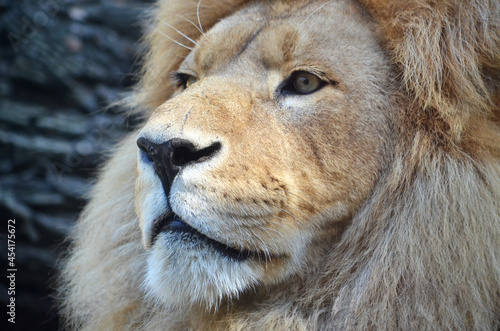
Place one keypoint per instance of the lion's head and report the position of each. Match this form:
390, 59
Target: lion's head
265, 150
302, 164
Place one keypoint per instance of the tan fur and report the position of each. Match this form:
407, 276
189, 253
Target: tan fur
374, 202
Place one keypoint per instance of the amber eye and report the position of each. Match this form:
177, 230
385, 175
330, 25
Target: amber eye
302, 82
306, 83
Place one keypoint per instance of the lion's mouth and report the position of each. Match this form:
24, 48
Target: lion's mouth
173, 223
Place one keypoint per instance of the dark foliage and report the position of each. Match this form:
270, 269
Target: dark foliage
61, 63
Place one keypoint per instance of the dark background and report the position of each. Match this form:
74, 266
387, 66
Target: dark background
61, 63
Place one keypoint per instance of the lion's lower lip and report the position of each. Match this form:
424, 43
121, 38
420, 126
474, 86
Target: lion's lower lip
178, 225
173, 223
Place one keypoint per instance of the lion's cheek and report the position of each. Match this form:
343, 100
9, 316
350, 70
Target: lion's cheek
347, 160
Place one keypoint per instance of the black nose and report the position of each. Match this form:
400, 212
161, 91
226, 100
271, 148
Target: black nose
171, 156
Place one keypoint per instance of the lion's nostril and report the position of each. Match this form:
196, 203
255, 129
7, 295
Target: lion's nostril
186, 153
183, 154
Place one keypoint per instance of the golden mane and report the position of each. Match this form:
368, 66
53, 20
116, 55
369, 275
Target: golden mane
423, 252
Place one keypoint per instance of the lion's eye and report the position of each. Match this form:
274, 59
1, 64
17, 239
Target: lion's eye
302, 82
189, 81
182, 80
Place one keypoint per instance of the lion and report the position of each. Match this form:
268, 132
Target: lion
302, 165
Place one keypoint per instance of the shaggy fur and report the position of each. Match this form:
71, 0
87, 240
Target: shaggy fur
401, 227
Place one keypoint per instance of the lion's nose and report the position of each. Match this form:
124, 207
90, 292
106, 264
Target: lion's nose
171, 156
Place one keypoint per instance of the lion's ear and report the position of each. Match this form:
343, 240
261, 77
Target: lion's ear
174, 27
448, 52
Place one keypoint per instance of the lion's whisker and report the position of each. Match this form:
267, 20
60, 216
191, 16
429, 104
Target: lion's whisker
295, 218
253, 243
198, 15
241, 231
283, 225
179, 32
188, 20
175, 41
275, 231
270, 236
264, 249
249, 237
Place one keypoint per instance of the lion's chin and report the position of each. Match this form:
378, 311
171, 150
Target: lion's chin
187, 268
183, 271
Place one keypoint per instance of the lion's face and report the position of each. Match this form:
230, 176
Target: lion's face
275, 136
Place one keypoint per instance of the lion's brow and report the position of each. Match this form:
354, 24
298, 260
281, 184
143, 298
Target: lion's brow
247, 43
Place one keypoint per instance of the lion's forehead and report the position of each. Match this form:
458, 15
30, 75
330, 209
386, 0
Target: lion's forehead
282, 37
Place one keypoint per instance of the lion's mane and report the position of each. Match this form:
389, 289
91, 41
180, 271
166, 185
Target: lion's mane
422, 253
